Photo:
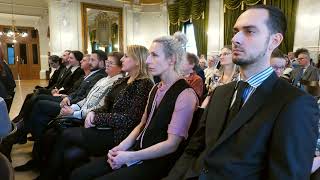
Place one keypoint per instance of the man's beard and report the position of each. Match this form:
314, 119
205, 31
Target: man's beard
94, 68
252, 58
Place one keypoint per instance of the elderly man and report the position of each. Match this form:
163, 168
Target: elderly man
306, 71
211, 69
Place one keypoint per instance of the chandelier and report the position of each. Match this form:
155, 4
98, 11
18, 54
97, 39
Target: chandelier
13, 32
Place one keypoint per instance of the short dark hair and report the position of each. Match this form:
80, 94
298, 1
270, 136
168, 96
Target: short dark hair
101, 54
302, 51
118, 56
277, 53
193, 59
277, 22
78, 55
55, 59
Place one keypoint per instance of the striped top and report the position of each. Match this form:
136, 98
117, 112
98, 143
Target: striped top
254, 82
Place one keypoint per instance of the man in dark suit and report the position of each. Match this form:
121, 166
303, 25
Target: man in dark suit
259, 127
44, 110
305, 71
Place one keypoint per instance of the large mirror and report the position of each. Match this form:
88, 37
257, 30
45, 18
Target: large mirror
101, 28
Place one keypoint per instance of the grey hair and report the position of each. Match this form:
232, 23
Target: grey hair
174, 46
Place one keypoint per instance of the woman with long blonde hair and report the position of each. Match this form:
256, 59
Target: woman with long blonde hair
228, 72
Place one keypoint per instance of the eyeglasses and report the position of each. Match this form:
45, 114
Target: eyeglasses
110, 63
278, 67
224, 54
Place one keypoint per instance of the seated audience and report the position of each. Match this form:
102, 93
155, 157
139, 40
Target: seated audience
278, 62
202, 62
259, 127
27, 101
188, 71
211, 69
74, 77
107, 126
95, 98
288, 68
152, 147
81, 108
69, 76
293, 59
22, 120
55, 62
45, 109
306, 71
72, 74
227, 73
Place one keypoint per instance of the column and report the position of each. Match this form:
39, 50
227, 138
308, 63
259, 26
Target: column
64, 25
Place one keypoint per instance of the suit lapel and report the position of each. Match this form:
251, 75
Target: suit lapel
218, 109
307, 73
257, 99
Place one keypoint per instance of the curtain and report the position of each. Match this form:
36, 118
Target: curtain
200, 29
233, 8
230, 18
195, 11
289, 7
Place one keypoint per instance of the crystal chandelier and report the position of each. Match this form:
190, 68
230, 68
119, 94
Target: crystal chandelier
13, 32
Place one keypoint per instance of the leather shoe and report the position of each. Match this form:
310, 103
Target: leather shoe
31, 138
30, 165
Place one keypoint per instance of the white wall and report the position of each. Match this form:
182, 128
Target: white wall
142, 26
64, 26
308, 26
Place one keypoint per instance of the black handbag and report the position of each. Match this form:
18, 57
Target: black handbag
61, 123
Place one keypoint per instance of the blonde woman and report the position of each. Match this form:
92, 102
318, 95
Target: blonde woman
153, 146
228, 72
109, 125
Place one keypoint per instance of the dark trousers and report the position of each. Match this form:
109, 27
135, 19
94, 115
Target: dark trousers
29, 106
42, 113
75, 141
99, 169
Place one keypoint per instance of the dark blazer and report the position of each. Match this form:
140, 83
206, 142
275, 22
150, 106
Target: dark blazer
311, 74
272, 137
54, 78
7, 79
62, 76
85, 86
70, 79
3, 90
